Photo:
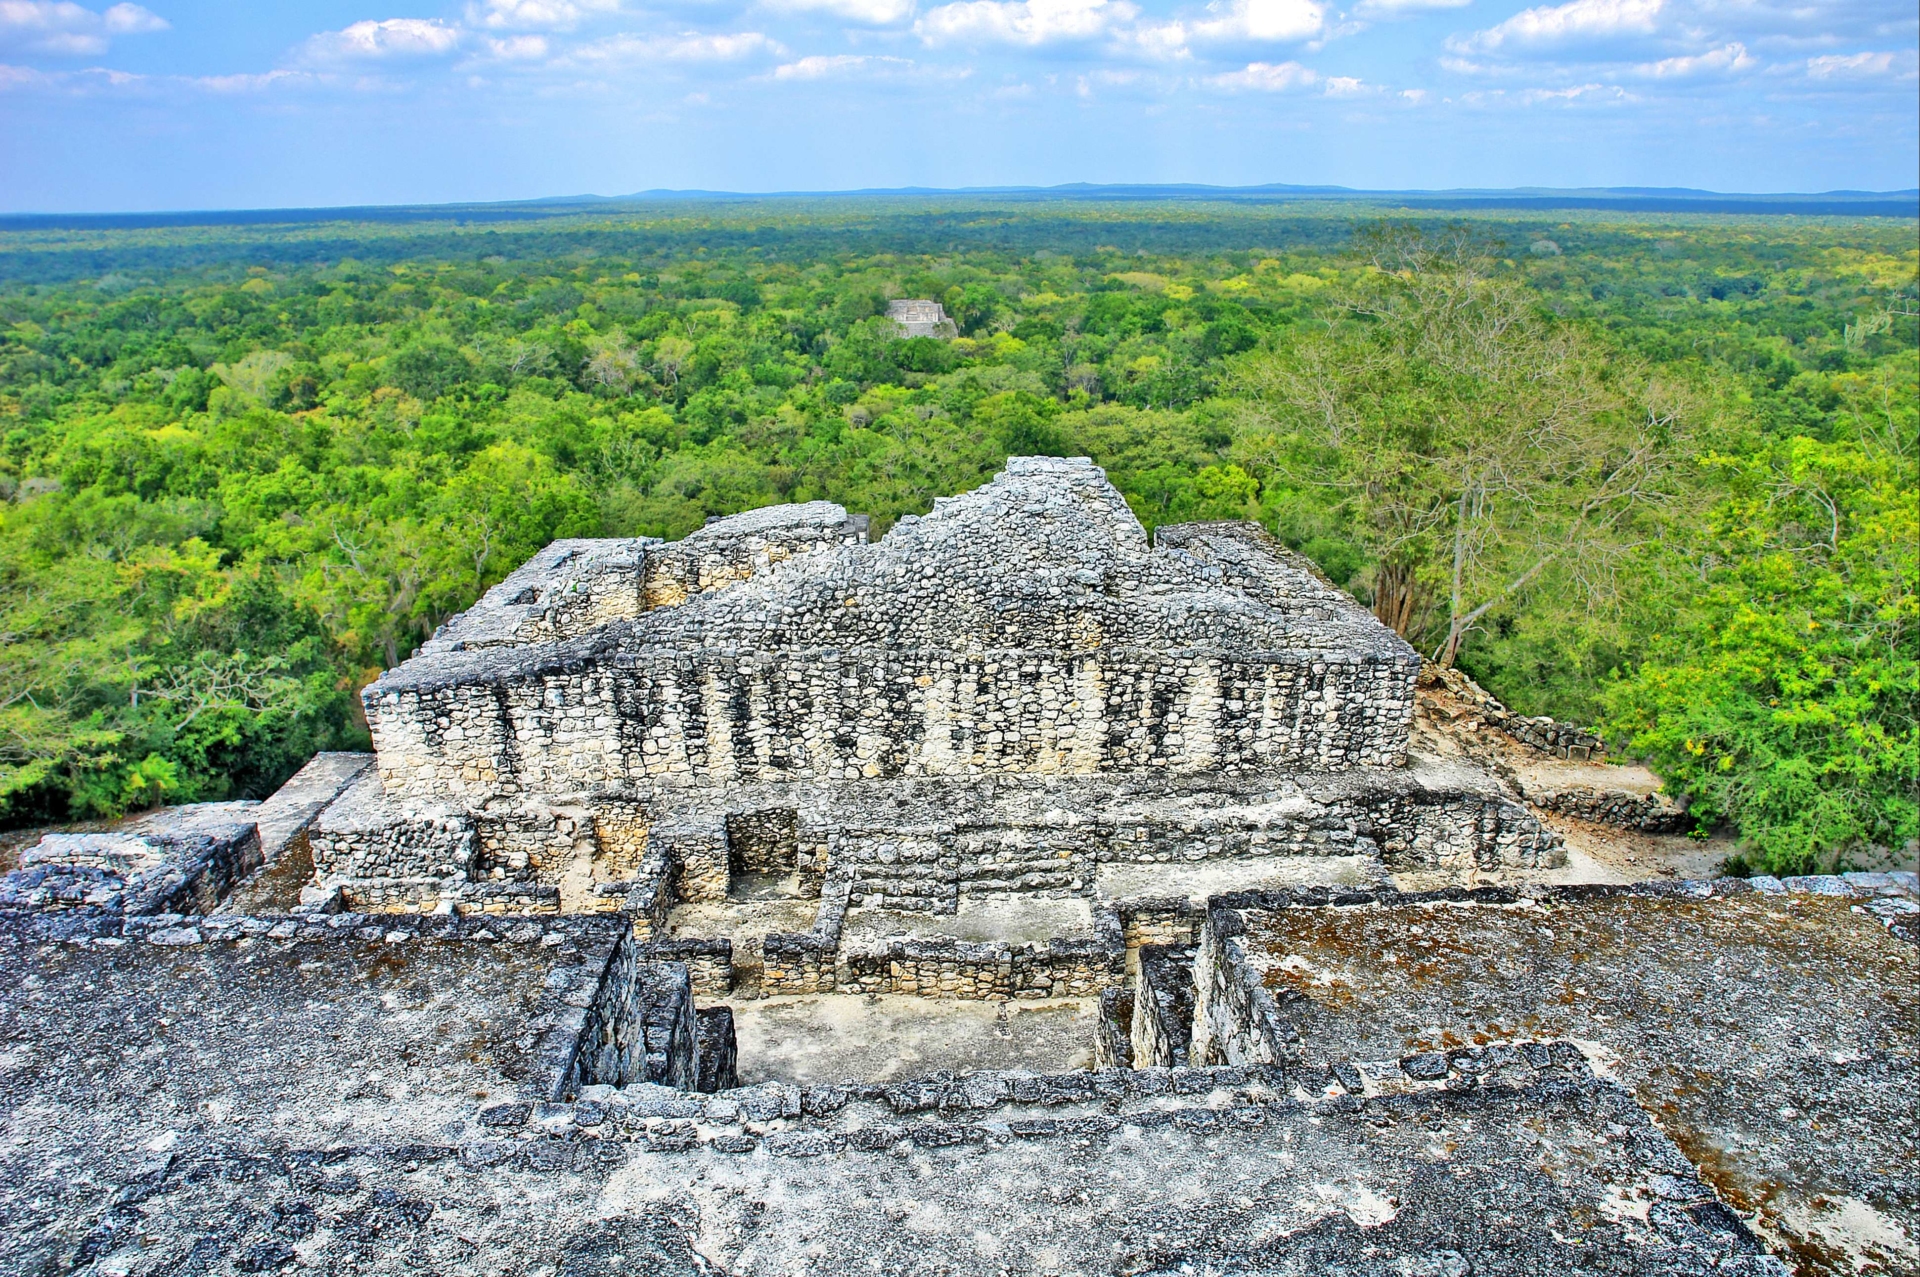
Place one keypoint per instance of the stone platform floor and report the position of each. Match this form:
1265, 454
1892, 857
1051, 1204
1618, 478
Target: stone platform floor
1199, 879
844, 1037
1776, 1038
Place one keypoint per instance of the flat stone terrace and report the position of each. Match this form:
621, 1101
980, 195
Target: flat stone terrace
1776, 1037
1023, 627
189, 1154
335, 1031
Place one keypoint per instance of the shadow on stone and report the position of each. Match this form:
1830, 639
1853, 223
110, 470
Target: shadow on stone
651, 1245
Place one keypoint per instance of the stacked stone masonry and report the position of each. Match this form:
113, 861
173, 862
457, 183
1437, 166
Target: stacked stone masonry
1008, 698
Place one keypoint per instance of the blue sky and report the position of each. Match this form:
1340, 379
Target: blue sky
190, 104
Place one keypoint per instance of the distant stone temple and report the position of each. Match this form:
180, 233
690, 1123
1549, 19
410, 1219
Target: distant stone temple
920, 318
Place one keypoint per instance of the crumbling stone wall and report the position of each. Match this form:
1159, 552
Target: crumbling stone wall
650, 896
612, 1043
708, 960
186, 864
620, 840
1161, 1031
641, 1025
740, 547
1235, 1020
360, 836
1025, 627
1172, 921
1113, 1035
1482, 829
983, 972
997, 699
1650, 813
719, 1051
764, 842
577, 586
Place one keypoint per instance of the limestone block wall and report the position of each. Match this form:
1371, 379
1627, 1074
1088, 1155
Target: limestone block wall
650, 896
798, 964
709, 962
429, 895
187, 866
910, 871
718, 1047
1235, 1020
571, 587
588, 719
577, 586
698, 853
1447, 829
528, 844
1172, 921
1162, 1028
984, 972
1112, 1037
612, 1044
742, 546
401, 849
808, 962
363, 836
620, 831
764, 842
641, 1026
1653, 813
1023, 628
667, 1030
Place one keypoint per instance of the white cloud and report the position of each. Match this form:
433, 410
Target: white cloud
386, 39
1560, 24
131, 19
1850, 66
691, 46
252, 83
536, 15
1389, 8
1415, 96
872, 13
1728, 58
518, 48
1024, 22
12, 77
1264, 21
60, 26
1576, 93
821, 67
1266, 77
1345, 86
1085, 86
1158, 41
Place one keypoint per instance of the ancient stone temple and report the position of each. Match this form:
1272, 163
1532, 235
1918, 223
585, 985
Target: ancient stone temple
1016, 698
919, 318
1012, 894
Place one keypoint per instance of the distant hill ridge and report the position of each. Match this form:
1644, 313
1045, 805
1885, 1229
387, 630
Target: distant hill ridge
1632, 199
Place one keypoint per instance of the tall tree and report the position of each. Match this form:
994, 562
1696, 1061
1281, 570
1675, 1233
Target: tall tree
1479, 447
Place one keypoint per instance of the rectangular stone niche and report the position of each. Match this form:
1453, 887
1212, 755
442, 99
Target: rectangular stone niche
764, 842
838, 1037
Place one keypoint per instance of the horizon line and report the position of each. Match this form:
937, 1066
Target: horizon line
1903, 202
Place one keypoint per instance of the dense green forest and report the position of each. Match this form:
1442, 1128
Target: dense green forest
1655, 474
